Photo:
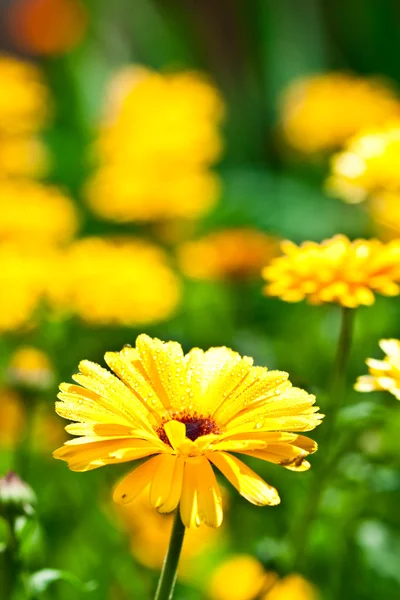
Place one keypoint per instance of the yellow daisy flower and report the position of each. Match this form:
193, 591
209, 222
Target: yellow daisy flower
32, 212
30, 367
187, 412
337, 270
124, 281
156, 146
368, 166
323, 111
229, 254
384, 374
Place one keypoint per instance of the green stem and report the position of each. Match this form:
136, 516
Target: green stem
10, 563
166, 584
322, 475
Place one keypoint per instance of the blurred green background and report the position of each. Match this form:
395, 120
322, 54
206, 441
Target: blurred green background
251, 50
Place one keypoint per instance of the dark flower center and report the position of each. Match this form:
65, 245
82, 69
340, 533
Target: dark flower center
195, 424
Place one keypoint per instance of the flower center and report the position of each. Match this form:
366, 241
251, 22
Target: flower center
196, 425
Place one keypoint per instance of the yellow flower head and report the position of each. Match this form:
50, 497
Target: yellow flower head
187, 412
35, 214
150, 533
242, 577
24, 275
383, 374
24, 102
156, 146
22, 156
230, 254
337, 270
30, 366
116, 281
322, 112
368, 166
292, 587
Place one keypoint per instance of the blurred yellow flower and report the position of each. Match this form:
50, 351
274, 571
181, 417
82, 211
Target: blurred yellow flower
322, 112
188, 411
24, 275
121, 281
12, 418
292, 587
156, 146
385, 210
368, 166
35, 214
24, 102
30, 367
383, 374
150, 533
243, 577
229, 254
22, 156
337, 270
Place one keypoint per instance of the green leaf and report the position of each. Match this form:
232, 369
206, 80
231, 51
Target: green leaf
39, 582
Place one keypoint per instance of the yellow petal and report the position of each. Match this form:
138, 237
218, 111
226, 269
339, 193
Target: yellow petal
188, 503
162, 480
248, 483
176, 488
209, 498
130, 487
176, 432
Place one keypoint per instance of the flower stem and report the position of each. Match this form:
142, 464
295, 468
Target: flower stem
169, 571
322, 475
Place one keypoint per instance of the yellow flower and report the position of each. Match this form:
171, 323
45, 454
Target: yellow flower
30, 366
22, 156
156, 146
242, 577
368, 166
121, 281
384, 374
292, 587
322, 112
24, 102
229, 254
150, 533
35, 214
337, 270
187, 412
24, 275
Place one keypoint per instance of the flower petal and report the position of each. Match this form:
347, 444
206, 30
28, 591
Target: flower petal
130, 487
208, 494
176, 488
188, 504
176, 432
248, 483
162, 480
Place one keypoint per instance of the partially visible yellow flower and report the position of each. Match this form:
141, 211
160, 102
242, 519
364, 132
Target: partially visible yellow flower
30, 367
22, 156
24, 102
323, 111
292, 587
12, 418
187, 412
35, 214
150, 533
241, 577
121, 281
156, 147
337, 270
24, 276
152, 192
385, 211
368, 166
229, 254
383, 374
